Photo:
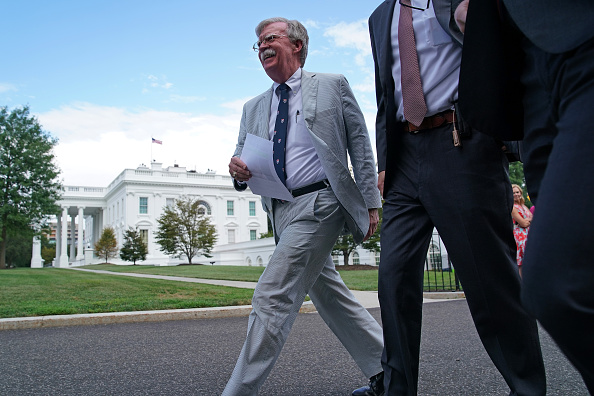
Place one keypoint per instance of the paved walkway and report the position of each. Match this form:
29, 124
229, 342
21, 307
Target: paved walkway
367, 298
196, 357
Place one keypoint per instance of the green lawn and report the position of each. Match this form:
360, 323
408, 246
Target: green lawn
359, 280
51, 291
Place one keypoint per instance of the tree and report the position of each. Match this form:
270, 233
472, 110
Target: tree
270, 232
48, 248
48, 252
107, 246
19, 248
133, 248
183, 230
345, 244
29, 185
516, 176
373, 243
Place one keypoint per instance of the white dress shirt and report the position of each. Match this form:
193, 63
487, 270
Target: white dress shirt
302, 164
439, 61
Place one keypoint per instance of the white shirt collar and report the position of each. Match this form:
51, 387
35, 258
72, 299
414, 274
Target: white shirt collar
294, 82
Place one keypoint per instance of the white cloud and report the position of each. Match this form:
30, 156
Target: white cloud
367, 86
236, 105
311, 24
157, 82
353, 35
5, 87
185, 99
97, 142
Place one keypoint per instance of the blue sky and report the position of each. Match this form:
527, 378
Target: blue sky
106, 76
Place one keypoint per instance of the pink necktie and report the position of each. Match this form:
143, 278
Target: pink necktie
415, 107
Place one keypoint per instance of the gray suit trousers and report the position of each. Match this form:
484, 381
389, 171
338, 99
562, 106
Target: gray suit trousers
306, 231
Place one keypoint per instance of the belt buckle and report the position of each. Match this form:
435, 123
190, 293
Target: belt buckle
413, 131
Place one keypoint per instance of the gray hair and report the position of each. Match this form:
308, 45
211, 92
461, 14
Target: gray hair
295, 31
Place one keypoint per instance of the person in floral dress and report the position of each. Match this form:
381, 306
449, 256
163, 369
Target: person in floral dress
522, 218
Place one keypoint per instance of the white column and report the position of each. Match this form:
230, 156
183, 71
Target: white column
58, 239
97, 227
72, 238
95, 230
63, 256
81, 254
88, 230
36, 261
102, 221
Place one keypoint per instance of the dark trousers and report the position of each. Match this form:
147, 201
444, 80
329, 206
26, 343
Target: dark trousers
559, 167
466, 194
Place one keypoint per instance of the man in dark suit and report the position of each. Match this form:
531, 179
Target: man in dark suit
432, 175
556, 94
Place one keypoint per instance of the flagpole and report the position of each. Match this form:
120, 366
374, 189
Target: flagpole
151, 161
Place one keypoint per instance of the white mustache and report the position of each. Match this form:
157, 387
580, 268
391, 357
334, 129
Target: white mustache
267, 53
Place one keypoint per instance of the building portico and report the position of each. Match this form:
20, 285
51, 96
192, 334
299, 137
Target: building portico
79, 205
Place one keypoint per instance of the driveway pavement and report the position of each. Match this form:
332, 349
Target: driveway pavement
172, 353
196, 357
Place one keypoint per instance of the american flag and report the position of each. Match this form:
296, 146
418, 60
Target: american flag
157, 141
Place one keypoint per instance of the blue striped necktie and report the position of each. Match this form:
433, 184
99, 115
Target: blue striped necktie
280, 133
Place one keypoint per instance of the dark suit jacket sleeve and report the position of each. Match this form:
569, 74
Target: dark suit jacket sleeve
380, 120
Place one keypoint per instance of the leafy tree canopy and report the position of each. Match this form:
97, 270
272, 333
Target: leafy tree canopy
29, 185
19, 248
516, 176
183, 230
133, 249
345, 244
107, 246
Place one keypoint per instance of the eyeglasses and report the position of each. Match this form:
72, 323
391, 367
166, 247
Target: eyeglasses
415, 8
267, 40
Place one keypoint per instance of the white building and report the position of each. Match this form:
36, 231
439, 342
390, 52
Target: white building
136, 199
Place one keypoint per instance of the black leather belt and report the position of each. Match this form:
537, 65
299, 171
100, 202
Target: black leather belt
310, 188
434, 121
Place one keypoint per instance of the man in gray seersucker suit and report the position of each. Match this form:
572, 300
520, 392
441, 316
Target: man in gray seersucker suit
324, 124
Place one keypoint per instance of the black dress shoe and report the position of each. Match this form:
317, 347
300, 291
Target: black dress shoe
375, 387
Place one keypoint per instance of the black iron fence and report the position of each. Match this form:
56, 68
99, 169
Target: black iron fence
439, 272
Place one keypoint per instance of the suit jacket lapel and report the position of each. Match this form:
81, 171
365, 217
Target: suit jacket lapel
386, 46
264, 110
